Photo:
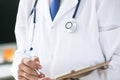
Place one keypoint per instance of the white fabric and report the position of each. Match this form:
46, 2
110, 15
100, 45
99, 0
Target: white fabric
59, 51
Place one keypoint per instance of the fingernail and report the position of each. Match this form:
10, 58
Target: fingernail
38, 62
39, 66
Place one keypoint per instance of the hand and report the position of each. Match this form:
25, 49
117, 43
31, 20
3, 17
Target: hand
27, 69
45, 78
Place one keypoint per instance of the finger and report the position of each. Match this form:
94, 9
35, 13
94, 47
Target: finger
32, 64
21, 73
41, 75
28, 76
21, 78
45, 78
27, 69
35, 58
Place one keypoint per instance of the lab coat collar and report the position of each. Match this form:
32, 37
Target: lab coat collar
64, 8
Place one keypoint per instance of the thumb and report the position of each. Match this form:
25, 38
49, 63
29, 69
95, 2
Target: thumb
36, 59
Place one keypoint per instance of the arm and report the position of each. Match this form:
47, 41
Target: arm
20, 33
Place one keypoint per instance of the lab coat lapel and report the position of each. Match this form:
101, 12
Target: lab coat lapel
65, 7
46, 4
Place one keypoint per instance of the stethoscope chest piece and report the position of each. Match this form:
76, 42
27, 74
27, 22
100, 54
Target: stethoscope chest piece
71, 26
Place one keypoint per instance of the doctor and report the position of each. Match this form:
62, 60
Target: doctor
83, 33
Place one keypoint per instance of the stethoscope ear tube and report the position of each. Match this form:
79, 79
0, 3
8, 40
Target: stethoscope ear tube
34, 7
74, 15
34, 11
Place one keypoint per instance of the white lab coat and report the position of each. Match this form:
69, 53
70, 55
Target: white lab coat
98, 34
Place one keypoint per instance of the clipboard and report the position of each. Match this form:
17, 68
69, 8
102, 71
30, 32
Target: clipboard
75, 75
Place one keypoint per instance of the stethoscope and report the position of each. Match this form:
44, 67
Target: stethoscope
70, 25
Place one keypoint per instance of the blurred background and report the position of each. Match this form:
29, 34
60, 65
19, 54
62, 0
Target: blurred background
8, 11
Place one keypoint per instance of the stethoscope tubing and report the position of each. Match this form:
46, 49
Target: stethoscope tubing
34, 10
78, 4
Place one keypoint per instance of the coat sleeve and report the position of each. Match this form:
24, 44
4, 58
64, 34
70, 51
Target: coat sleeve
20, 33
108, 13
